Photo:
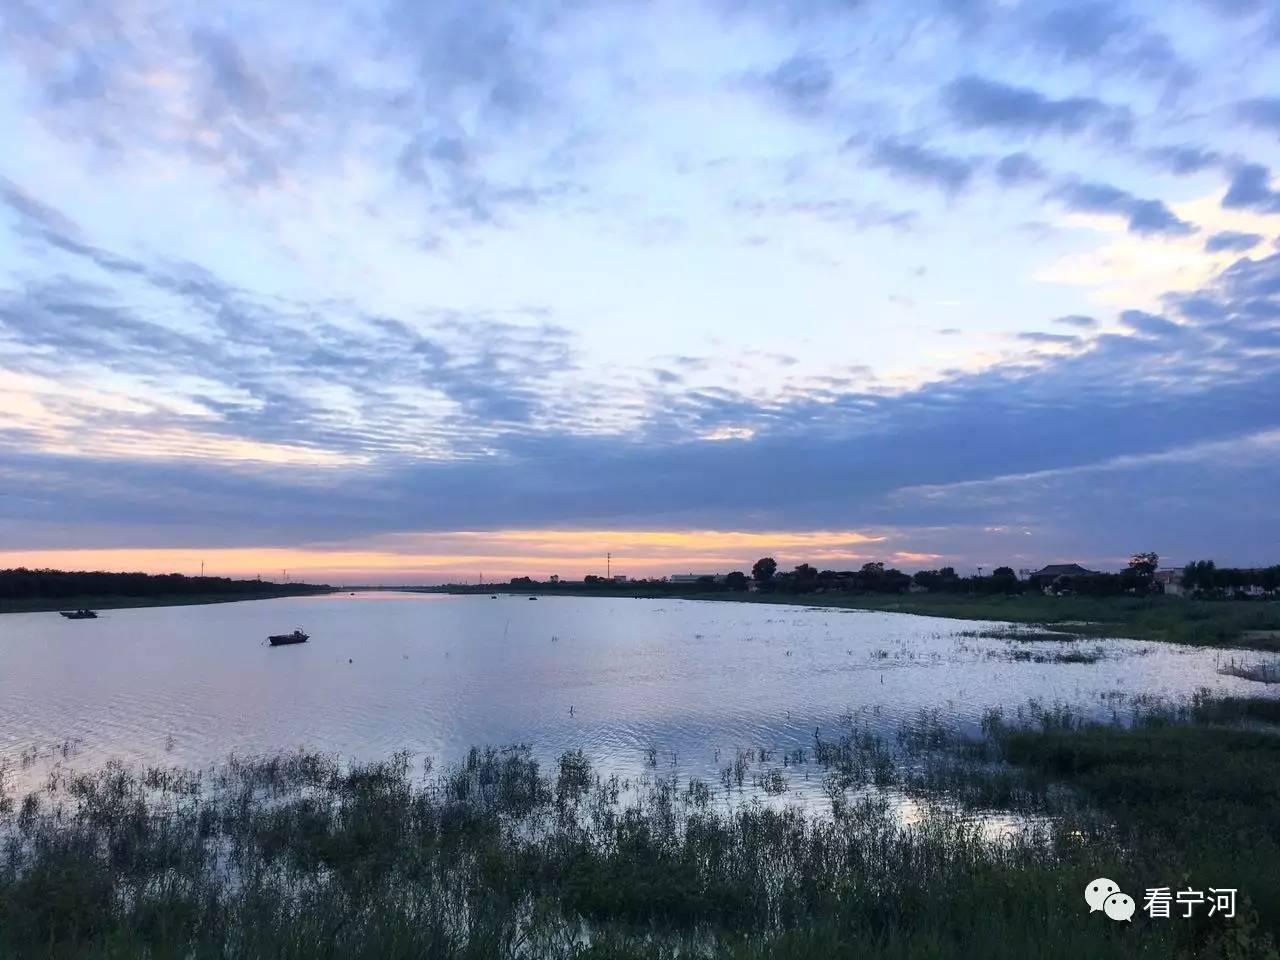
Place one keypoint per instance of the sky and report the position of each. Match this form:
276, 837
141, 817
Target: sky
413, 292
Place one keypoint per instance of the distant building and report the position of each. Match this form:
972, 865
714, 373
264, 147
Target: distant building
695, 577
1170, 580
1055, 570
619, 578
1046, 576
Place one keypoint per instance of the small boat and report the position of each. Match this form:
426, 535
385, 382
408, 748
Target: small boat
533, 598
79, 614
280, 639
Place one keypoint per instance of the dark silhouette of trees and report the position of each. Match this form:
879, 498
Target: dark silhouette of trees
24, 584
1144, 564
764, 569
1204, 578
736, 581
1139, 577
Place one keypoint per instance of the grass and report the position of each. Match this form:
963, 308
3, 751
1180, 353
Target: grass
1195, 806
303, 856
113, 602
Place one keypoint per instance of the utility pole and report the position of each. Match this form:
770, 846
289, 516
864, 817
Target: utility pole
608, 566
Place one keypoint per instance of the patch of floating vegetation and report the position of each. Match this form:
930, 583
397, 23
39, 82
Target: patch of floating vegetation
1056, 656
1020, 633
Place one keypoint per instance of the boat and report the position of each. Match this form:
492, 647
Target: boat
281, 639
79, 614
533, 598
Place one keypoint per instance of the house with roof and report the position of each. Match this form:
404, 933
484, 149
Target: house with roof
1046, 576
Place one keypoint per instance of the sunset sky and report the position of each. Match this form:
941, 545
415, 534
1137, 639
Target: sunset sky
411, 292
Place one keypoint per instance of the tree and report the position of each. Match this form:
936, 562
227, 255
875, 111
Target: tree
806, 573
764, 569
1139, 577
737, 580
1144, 564
1200, 575
1003, 572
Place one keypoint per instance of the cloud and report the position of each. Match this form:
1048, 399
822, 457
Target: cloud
1100, 32
913, 161
833, 210
291, 342
803, 82
1232, 240
1079, 31
1261, 112
1057, 339
982, 104
1149, 324
1019, 168
1251, 188
1144, 216
1185, 158
1158, 386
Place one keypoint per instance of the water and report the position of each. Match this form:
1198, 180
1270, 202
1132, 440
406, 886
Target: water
642, 686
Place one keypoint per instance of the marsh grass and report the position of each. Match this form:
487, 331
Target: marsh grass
302, 855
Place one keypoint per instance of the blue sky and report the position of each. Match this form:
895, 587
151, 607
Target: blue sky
431, 289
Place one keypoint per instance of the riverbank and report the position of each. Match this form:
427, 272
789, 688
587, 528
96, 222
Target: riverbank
1253, 625
303, 856
99, 602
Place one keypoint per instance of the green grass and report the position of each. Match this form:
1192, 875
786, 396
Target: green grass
302, 856
1195, 807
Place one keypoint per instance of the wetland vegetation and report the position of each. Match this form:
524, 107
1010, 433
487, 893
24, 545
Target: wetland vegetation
302, 855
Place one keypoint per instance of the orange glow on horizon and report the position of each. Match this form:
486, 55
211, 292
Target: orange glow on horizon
499, 555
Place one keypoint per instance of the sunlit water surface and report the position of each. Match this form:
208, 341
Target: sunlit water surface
643, 687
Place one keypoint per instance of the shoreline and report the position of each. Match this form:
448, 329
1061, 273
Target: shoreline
99, 602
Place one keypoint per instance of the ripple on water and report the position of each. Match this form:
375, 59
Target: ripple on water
695, 681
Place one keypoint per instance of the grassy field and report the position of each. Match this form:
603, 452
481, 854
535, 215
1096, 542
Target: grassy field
301, 856
39, 605
1251, 624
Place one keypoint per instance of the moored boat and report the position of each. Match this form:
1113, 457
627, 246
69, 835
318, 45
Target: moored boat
79, 614
281, 639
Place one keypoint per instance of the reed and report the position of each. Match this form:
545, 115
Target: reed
302, 855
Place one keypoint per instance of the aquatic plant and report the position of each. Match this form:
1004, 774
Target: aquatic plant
302, 855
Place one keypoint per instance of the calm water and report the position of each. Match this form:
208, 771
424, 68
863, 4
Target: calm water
686, 683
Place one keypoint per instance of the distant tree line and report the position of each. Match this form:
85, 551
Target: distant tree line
1138, 578
24, 584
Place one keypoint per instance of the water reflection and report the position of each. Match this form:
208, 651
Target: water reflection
643, 687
